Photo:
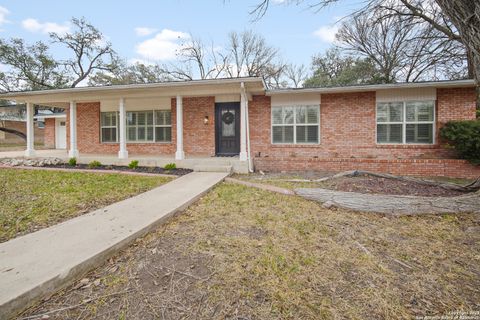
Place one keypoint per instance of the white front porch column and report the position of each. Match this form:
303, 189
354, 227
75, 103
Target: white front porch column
122, 153
179, 155
73, 152
243, 124
30, 151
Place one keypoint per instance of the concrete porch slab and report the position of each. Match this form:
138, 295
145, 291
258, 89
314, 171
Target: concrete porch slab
43, 262
190, 162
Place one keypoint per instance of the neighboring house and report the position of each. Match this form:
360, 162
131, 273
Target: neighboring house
13, 118
388, 127
55, 129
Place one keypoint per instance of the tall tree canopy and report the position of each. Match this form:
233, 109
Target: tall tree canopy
335, 69
32, 67
454, 20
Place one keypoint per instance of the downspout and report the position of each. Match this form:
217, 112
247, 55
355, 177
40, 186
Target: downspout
247, 125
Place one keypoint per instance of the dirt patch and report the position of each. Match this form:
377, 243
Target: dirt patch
244, 253
369, 184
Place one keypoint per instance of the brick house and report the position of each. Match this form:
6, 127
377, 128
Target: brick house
386, 128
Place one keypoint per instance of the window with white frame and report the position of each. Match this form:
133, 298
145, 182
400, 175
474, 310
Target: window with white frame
140, 126
108, 126
409, 122
163, 126
295, 124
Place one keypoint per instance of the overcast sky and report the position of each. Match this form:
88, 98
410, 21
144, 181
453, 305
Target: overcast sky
149, 30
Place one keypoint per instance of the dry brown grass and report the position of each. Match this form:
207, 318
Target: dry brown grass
243, 253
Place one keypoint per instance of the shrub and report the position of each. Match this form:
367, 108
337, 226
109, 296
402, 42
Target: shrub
170, 166
94, 164
133, 164
464, 136
72, 162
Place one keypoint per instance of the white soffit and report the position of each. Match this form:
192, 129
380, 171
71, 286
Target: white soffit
137, 104
392, 95
296, 99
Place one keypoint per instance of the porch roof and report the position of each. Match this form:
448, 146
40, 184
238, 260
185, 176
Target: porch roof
253, 85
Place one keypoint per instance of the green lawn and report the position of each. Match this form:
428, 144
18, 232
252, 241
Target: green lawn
244, 253
34, 199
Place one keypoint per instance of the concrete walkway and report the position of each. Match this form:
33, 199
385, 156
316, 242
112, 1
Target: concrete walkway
42, 262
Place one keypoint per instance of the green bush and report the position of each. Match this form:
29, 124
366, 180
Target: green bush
94, 164
170, 166
72, 162
133, 164
464, 136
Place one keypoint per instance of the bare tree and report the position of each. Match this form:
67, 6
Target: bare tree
196, 60
250, 54
91, 51
458, 20
296, 74
401, 48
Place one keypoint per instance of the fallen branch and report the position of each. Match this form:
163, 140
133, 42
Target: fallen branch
472, 187
40, 315
261, 186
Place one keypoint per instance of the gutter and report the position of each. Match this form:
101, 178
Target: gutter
375, 87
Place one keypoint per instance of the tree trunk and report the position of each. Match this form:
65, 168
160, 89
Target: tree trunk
465, 15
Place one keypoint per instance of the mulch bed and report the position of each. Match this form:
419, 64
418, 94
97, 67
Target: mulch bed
157, 170
369, 184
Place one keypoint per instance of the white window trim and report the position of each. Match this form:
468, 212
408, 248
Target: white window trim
294, 125
404, 124
109, 127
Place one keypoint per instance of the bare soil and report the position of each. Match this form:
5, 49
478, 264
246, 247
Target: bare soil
369, 184
244, 253
360, 184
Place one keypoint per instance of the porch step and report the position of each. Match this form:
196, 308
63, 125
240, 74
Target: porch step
212, 168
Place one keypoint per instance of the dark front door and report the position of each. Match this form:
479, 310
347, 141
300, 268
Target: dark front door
227, 128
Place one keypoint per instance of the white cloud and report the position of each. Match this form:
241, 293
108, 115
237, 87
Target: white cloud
141, 61
3, 15
33, 25
163, 46
326, 33
279, 1
144, 31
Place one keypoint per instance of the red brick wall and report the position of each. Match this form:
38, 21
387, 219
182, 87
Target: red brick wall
348, 128
198, 137
347, 138
49, 133
88, 134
